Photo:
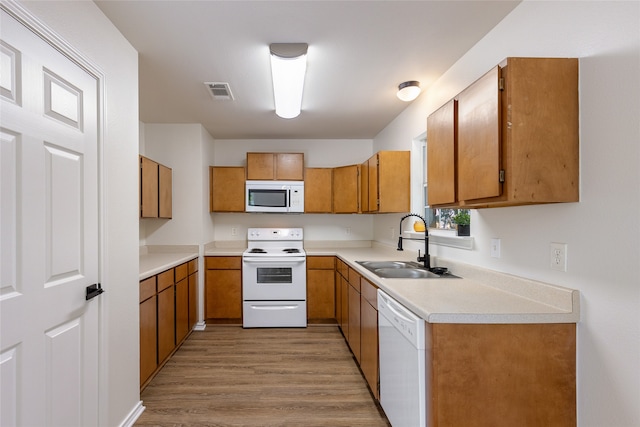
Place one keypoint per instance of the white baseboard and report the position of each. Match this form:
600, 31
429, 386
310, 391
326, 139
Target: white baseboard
200, 326
133, 416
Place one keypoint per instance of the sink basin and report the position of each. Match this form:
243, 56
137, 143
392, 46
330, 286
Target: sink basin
404, 270
374, 265
405, 273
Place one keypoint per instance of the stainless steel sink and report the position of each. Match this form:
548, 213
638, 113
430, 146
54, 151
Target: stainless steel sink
404, 270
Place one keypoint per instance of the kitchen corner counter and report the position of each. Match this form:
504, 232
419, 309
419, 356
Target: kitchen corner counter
478, 296
154, 260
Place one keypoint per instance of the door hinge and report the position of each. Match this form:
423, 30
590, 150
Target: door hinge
501, 175
93, 291
501, 83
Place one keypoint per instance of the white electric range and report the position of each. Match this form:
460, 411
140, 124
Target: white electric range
274, 278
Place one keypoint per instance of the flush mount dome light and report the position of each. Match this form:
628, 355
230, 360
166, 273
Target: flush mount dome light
288, 67
408, 91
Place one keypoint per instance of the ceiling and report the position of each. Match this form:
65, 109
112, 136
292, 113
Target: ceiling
359, 51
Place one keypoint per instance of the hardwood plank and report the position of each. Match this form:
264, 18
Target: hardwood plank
229, 376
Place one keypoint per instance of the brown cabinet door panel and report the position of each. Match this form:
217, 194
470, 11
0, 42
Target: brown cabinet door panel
479, 149
226, 189
317, 190
441, 158
260, 166
148, 188
346, 189
166, 323
369, 344
289, 166
193, 300
182, 309
148, 339
165, 190
320, 294
354, 321
223, 294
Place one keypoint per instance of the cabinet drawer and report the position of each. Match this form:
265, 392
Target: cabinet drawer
320, 262
223, 262
354, 279
165, 280
369, 291
181, 272
193, 266
147, 288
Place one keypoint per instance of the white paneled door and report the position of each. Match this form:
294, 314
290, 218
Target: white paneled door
49, 234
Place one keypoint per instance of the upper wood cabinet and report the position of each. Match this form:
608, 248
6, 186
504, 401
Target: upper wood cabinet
275, 166
386, 180
318, 185
226, 189
512, 138
155, 189
346, 189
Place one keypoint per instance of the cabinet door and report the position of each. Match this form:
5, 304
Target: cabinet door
223, 294
338, 288
364, 186
166, 323
479, 160
148, 188
441, 157
393, 181
320, 295
369, 344
354, 321
344, 321
346, 189
148, 338
226, 189
289, 166
165, 184
317, 190
372, 179
260, 166
182, 309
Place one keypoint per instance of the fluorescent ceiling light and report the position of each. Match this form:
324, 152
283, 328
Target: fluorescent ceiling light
408, 91
288, 67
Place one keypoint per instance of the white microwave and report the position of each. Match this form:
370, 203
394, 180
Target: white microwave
274, 196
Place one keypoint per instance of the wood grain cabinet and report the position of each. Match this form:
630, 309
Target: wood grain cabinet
320, 289
226, 189
346, 189
353, 337
275, 166
148, 329
501, 375
155, 189
192, 269
223, 289
386, 180
369, 358
166, 315
511, 138
318, 186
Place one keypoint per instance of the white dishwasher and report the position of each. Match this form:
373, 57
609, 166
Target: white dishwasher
402, 363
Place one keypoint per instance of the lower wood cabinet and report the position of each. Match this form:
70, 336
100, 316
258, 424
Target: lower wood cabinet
369, 359
353, 336
321, 289
168, 307
223, 289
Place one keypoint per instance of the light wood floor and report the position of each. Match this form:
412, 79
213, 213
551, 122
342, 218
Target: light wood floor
229, 376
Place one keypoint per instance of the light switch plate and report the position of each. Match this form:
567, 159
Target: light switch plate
495, 248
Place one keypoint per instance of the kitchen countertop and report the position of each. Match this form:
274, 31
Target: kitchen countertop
154, 260
478, 296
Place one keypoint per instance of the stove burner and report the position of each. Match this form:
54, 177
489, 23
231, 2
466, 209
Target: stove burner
257, 251
291, 250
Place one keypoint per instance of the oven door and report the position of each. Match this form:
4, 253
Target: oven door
274, 278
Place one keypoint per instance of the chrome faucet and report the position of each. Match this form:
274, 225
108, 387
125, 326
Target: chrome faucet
425, 258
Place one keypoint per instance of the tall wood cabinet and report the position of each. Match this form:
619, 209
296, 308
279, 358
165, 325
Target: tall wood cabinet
511, 138
275, 166
386, 181
346, 189
155, 189
223, 289
369, 358
318, 186
226, 189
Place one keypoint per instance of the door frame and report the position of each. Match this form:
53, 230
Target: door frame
26, 18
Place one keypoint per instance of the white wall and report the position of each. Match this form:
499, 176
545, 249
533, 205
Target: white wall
601, 231
84, 26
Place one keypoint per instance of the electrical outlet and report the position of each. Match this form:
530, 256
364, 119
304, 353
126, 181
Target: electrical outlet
495, 248
558, 255
234, 231
347, 231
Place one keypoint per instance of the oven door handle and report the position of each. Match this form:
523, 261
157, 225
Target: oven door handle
262, 260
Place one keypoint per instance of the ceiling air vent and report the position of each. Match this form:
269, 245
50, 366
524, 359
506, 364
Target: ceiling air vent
219, 91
